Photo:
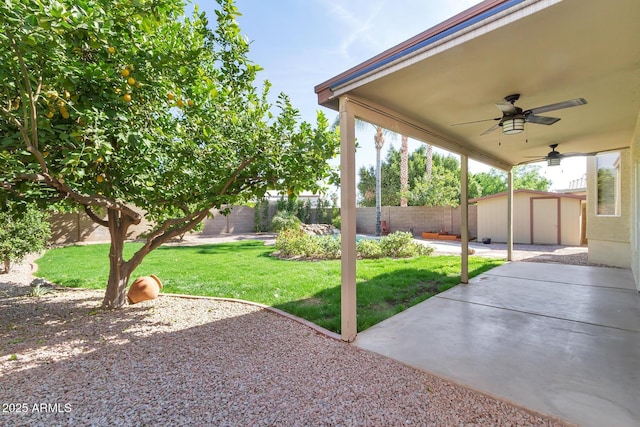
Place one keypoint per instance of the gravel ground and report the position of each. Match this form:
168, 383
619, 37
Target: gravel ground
178, 361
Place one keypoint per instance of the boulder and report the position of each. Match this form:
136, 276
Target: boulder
319, 229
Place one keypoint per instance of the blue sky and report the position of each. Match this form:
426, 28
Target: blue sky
301, 43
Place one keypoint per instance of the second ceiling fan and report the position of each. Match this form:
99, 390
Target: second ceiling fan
513, 118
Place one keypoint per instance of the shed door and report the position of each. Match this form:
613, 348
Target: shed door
545, 221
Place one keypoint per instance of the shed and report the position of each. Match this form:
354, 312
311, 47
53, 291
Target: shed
539, 217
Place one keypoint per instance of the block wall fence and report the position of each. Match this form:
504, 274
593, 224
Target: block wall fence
78, 227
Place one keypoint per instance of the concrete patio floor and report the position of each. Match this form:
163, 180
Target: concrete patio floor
563, 340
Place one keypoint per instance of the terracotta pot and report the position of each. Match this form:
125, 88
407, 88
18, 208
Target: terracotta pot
144, 288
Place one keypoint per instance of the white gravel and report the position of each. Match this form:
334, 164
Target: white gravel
198, 362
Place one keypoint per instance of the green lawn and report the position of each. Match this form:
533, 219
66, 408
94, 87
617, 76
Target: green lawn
245, 270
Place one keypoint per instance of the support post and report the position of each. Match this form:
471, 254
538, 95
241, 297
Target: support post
510, 215
348, 221
464, 218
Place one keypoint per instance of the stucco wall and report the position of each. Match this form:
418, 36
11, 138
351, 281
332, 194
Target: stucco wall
609, 236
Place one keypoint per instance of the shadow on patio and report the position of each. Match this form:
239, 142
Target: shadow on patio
560, 339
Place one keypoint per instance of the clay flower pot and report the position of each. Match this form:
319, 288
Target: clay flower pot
144, 288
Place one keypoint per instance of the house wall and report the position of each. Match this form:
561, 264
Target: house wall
609, 236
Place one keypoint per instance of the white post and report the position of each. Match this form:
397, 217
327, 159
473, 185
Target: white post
510, 215
464, 218
348, 221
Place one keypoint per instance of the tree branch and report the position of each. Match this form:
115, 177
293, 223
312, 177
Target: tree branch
94, 217
243, 165
91, 200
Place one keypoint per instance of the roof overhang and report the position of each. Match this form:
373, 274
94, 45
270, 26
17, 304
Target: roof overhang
546, 50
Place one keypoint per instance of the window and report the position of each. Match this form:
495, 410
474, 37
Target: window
608, 190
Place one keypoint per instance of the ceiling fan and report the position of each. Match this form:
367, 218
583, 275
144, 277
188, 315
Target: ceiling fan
513, 118
554, 157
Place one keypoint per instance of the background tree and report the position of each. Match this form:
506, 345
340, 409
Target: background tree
524, 177
24, 229
443, 187
130, 110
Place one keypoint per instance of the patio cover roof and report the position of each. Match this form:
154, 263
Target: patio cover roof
546, 50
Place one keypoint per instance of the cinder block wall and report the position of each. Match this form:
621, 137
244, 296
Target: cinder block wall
240, 220
78, 227
416, 219
71, 228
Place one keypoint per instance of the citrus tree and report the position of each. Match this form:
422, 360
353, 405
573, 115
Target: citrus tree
130, 110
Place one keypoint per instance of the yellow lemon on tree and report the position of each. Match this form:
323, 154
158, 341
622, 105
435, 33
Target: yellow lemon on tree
190, 103
112, 50
127, 97
170, 96
180, 103
49, 114
131, 81
100, 178
125, 72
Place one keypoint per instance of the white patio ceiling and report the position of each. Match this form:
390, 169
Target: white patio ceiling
548, 51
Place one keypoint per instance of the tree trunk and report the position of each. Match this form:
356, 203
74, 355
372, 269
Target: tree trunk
429, 161
7, 265
379, 141
404, 170
119, 270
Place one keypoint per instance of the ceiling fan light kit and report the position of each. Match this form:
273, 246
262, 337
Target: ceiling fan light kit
513, 126
553, 161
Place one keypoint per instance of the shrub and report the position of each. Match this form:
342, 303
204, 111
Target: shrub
367, 248
400, 244
291, 242
329, 246
336, 222
23, 230
285, 221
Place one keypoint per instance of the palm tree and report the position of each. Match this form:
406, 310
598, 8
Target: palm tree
404, 170
429, 161
379, 143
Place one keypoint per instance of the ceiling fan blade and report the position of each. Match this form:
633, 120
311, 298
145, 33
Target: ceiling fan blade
491, 129
475, 121
593, 153
575, 154
507, 108
557, 106
541, 120
534, 159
